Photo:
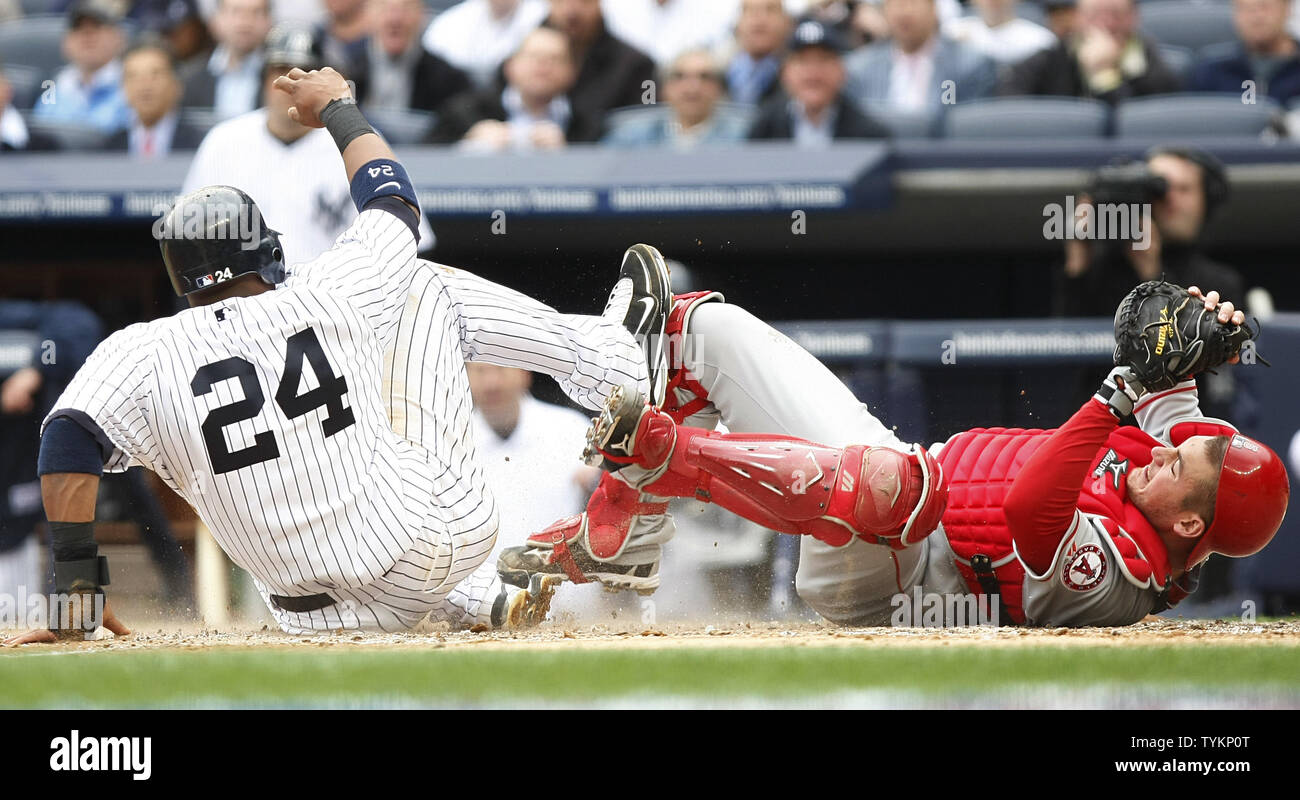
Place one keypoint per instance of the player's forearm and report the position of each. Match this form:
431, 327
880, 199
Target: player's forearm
70, 463
1042, 502
362, 150
375, 175
69, 496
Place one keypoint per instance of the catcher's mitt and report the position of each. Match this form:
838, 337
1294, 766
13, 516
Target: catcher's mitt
1165, 335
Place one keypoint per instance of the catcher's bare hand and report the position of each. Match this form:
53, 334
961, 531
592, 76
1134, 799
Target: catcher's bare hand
1228, 314
46, 636
311, 92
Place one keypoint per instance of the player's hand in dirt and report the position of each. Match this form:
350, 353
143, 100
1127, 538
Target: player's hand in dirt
311, 92
46, 636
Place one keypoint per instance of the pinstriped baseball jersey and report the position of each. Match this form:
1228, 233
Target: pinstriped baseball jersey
321, 430
264, 413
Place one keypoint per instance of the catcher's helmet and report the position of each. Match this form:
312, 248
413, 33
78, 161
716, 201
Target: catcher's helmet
216, 234
1250, 503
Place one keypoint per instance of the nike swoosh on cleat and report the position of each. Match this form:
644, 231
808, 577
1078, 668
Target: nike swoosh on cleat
646, 312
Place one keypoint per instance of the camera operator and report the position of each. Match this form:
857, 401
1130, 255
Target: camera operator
1182, 188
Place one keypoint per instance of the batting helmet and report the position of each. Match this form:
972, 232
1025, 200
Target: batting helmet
214, 235
1250, 503
289, 46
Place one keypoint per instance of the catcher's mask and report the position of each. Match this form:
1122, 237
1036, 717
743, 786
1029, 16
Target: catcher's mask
214, 235
1250, 502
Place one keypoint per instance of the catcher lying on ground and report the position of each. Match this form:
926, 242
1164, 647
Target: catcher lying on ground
1088, 524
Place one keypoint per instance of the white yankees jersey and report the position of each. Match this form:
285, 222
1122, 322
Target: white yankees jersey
300, 187
321, 430
265, 414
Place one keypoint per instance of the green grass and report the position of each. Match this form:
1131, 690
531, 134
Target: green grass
359, 677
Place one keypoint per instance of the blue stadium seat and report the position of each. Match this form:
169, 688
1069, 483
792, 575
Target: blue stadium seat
635, 116
1027, 117
402, 127
25, 82
69, 135
34, 42
904, 124
1180, 61
1187, 23
619, 118
1194, 114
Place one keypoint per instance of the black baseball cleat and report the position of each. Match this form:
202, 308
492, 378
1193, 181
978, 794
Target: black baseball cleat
641, 300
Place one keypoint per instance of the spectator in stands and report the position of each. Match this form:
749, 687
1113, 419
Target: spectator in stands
918, 69
692, 89
287, 168
664, 28
397, 72
232, 82
341, 37
182, 26
1062, 17
857, 21
754, 72
611, 73
308, 14
14, 134
153, 91
813, 110
1098, 275
1264, 53
1104, 57
998, 33
88, 90
532, 112
478, 35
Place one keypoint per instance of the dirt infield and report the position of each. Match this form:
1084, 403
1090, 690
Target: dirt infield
550, 636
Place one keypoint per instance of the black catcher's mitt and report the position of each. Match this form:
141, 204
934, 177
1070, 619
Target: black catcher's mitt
1166, 335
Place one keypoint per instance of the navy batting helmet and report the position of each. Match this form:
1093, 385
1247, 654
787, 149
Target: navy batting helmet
292, 46
214, 235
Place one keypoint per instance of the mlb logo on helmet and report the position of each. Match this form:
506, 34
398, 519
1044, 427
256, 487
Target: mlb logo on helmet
1244, 443
206, 280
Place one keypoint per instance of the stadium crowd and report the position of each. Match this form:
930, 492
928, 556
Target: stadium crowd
151, 76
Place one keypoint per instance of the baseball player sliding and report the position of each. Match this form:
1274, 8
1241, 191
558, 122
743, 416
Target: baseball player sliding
321, 428
1088, 524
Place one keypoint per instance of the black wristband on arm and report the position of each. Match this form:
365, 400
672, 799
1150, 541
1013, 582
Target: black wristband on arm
77, 563
344, 121
80, 575
73, 541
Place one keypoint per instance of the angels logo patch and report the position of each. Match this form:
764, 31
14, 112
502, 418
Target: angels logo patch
1085, 569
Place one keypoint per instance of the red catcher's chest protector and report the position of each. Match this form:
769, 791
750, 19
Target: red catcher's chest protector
980, 466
